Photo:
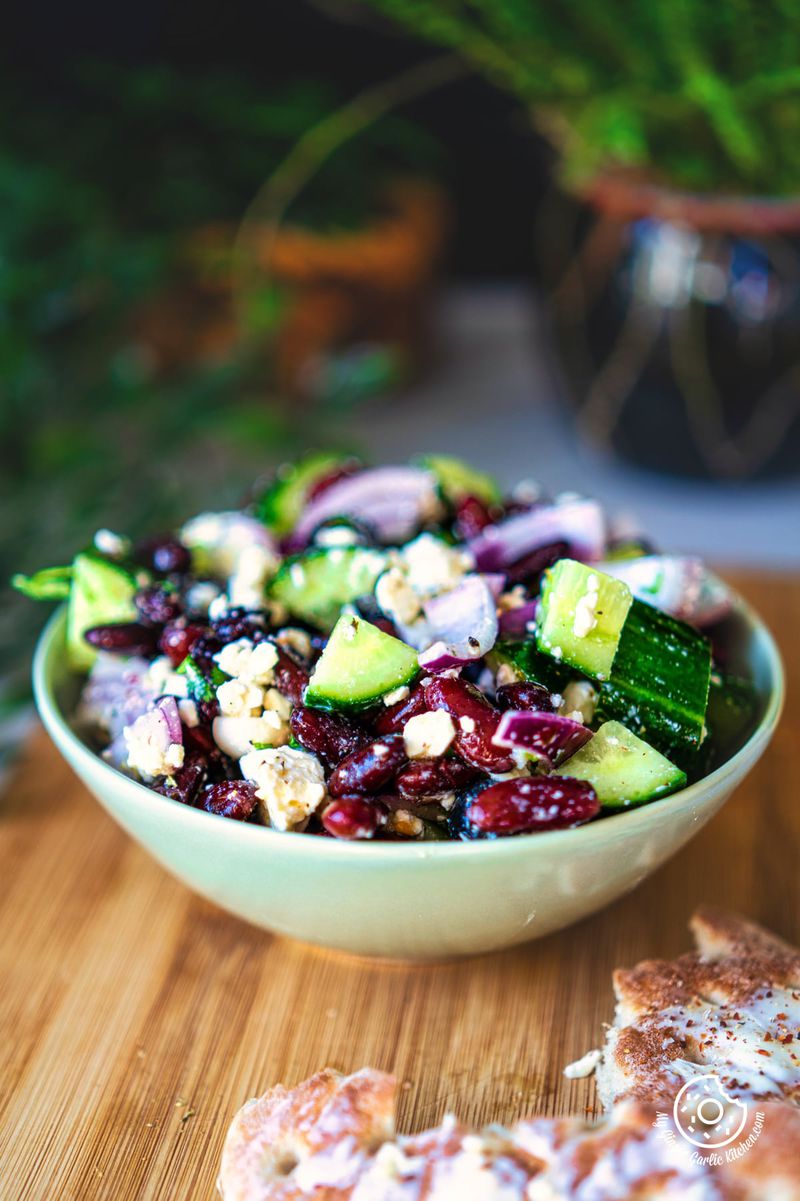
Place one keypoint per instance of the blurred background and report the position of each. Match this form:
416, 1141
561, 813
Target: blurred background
561, 241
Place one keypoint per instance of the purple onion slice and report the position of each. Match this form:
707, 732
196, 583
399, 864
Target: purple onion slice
463, 624
677, 584
550, 736
393, 501
580, 523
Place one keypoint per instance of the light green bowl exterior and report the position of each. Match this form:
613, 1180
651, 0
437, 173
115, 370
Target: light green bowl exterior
408, 900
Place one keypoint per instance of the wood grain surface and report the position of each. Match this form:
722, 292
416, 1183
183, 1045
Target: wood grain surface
136, 1018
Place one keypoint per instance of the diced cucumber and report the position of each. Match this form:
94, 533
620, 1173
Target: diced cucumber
457, 479
50, 583
659, 680
101, 593
283, 502
582, 615
315, 585
623, 769
359, 665
526, 661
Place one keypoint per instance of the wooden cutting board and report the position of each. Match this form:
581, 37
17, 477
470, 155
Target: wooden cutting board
136, 1018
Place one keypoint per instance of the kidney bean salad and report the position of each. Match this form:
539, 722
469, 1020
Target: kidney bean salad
398, 653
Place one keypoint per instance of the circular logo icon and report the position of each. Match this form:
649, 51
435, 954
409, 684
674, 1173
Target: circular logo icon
706, 1116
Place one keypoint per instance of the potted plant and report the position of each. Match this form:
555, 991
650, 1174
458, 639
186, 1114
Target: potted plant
672, 264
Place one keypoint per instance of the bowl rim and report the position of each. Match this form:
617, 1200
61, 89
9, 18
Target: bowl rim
59, 729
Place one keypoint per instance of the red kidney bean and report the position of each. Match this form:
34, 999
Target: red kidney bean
330, 736
157, 605
352, 817
474, 743
370, 767
532, 565
425, 778
525, 696
532, 803
124, 638
239, 623
290, 678
348, 468
200, 739
394, 717
231, 798
472, 516
186, 782
177, 640
163, 554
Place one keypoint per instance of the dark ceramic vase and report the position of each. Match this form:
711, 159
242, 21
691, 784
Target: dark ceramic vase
677, 322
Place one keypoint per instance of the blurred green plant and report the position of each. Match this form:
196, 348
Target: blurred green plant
700, 96
98, 186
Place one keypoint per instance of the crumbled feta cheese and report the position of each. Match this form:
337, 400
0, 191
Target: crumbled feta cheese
247, 582
396, 597
296, 640
583, 1066
201, 596
467, 724
148, 751
579, 701
396, 695
289, 783
218, 607
428, 734
585, 618
217, 540
250, 660
506, 674
431, 566
240, 698
163, 680
277, 703
336, 535
236, 735
515, 598
406, 823
189, 714
111, 544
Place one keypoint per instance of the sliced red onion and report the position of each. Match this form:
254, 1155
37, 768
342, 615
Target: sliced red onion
463, 624
514, 623
678, 585
168, 706
549, 735
580, 523
393, 501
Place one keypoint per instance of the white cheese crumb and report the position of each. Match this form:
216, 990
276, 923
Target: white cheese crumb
252, 661
578, 701
396, 597
148, 753
164, 680
247, 582
295, 640
240, 698
396, 695
236, 735
189, 714
431, 566
111, 544
428, 735
201, 596
583, 1066
467, 724
402, 821
585, 618
218, 607
289, 783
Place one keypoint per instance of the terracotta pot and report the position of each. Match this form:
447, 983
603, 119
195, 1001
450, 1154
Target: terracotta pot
677, 318
338, 295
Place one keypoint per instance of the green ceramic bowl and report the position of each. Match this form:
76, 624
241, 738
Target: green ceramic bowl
411, 900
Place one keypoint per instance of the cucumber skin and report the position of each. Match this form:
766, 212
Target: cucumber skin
676, 780
281, 505
324, 611
659, 682
526, 658
89, 606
